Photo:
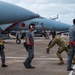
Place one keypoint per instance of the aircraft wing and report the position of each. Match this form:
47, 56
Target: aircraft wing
5, 26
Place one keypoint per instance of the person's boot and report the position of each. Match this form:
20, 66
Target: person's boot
4, 65
61, 63
47, 50
70, 69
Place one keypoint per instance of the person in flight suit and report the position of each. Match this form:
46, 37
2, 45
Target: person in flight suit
2, 50
63, 46
30, 46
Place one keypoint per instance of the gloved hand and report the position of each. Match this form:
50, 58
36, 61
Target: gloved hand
31, 44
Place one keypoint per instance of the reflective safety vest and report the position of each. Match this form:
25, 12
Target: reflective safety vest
0, 43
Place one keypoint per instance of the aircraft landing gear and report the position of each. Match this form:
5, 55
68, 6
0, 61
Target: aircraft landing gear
46, 36
18, 41
45, 33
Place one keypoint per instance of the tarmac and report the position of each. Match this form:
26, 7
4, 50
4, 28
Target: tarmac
45, 64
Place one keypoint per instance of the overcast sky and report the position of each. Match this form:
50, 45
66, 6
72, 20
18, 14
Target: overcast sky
49, 8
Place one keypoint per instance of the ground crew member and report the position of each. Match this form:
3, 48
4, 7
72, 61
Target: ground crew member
30, 46
72, 46
2, 51
63, 46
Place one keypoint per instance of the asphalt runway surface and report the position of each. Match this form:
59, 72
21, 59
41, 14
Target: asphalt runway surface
45, 64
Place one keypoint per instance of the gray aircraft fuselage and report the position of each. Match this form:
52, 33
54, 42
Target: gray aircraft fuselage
40, 23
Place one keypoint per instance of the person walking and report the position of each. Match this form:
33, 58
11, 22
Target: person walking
29, 46
72, 46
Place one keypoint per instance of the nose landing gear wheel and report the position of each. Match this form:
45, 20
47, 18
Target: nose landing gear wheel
18, 41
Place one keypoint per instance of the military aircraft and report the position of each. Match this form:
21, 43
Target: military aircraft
42, 25
10, 13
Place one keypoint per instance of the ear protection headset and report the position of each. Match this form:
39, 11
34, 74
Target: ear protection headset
31, 26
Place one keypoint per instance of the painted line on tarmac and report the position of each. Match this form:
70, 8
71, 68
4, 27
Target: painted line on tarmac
72, 72
39, 40
38, 58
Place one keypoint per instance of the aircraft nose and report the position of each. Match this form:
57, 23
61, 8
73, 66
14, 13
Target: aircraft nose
10, 13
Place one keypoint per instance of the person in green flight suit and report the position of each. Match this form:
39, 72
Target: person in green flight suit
63, 46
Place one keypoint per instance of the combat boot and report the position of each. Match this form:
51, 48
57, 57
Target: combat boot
61, 63
47, 50
4, 65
